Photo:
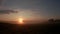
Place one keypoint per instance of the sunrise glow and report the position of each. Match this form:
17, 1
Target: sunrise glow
20, 20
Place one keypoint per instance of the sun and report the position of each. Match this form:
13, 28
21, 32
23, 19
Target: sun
20, 20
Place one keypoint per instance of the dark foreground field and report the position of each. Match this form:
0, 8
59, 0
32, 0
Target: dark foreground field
6, 28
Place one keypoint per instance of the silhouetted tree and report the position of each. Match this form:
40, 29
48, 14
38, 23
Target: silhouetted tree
51, 21
57, 21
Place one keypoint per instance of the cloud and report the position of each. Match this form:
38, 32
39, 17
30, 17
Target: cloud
7, 11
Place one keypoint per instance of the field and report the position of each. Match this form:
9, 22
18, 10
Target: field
7, 28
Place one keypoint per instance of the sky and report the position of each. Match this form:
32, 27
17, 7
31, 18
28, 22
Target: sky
29, 9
